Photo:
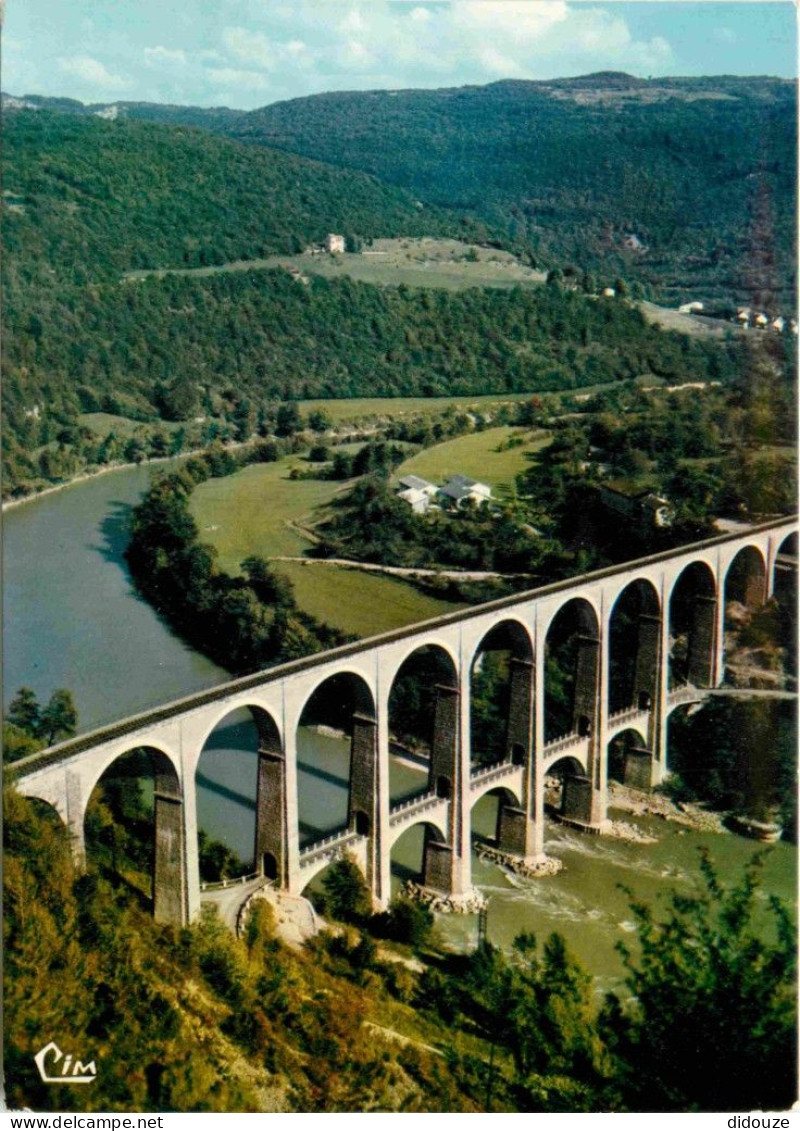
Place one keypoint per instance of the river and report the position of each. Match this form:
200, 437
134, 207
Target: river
72, 619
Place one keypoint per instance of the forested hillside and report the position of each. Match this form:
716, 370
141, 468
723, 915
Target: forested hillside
700, 171
168, 346
87, 199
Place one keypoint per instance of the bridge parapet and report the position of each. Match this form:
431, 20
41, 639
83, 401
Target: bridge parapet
331, 847
399, 811
632, 718
493, 772
570, 746
235, 881
561, 743
687, 693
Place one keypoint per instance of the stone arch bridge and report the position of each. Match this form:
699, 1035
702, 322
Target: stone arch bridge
680, 591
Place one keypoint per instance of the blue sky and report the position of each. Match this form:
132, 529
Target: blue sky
247, 53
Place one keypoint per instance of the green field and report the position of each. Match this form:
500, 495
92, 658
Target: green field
477, 456
101, 423
363, 408
252, 512
360, 602
436, 263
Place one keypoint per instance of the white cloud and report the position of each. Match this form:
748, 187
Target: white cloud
92, 72
157, 56
724, 35
249, 46
243, 80
317, 45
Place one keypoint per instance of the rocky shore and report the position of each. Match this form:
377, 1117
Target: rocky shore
642, 804
468, 904
531, 870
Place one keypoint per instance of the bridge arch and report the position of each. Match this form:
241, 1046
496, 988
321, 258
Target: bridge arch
240, 788
423, 722
746, 578
337, 758
629, 759
556, 775
497, 819
138, 833
634, 647
572, 670
501, 695
414, 854
312, 875
692, 625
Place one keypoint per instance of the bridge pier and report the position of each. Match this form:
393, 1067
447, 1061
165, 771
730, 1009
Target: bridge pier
271, 833
169, 869
648, 643
520, 830
363, 802
702, 641
447, 866
582, 804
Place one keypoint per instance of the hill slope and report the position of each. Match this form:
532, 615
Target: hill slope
91, 198
700, 171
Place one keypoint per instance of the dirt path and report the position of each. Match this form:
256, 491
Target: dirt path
404, 571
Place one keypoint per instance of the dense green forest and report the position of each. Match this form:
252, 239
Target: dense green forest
96, 198
166, 347
198, 1020
701, 171
87, 200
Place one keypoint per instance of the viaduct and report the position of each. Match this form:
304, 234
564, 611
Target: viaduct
672, 598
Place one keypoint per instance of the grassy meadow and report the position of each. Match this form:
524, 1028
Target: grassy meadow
441, 264
358, 601
480, 455
255, 512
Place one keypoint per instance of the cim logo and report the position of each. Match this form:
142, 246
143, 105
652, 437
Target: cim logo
72, 1071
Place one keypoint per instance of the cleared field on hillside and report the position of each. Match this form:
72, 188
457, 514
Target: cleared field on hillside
360, 602
366, 408
442, 264
101, 423
477, 456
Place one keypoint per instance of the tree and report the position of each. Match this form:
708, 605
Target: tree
59, 718
713, 1024
346, 894
24, 711
319, 421
287, 420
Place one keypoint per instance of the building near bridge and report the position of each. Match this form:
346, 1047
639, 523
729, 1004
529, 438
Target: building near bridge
417, 492
460, 490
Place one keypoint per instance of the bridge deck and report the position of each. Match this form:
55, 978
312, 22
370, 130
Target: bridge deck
180, 706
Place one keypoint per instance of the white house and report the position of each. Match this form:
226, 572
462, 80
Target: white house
418, 493
459, 490
690, 307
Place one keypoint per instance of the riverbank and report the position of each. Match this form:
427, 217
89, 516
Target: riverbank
643, 804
